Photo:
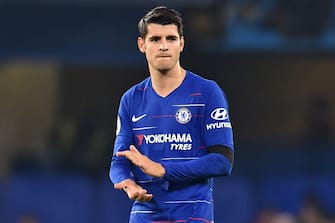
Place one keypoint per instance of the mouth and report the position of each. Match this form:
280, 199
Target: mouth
163, 56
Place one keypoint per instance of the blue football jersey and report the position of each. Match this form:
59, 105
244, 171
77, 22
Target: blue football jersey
170, 130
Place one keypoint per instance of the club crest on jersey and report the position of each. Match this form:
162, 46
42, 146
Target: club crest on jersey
183, 115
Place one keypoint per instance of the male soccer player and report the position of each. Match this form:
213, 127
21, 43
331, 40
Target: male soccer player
173, 132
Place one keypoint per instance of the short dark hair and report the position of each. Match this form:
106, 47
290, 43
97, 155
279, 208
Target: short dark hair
163, 16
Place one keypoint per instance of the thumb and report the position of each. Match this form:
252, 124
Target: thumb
118, 186
133, 149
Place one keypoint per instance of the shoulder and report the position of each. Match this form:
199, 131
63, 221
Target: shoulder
202, 82
137, 89
210, 89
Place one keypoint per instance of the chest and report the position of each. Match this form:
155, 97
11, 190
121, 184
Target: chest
180, 113
169, 127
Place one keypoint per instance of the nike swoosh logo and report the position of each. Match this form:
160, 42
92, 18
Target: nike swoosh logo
135, 119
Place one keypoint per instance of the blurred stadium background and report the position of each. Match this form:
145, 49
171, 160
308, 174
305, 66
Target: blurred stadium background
65, 64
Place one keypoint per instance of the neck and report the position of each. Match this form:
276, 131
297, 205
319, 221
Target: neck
166, 82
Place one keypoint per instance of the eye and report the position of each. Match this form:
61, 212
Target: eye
171, 38
154, 39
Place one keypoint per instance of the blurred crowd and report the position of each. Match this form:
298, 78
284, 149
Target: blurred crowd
311, 211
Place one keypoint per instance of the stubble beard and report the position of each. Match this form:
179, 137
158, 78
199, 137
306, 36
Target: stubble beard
163, 71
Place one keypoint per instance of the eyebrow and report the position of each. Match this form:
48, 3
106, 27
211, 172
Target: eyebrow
160, 37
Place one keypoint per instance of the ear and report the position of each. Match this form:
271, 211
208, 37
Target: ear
182, 43
140, 44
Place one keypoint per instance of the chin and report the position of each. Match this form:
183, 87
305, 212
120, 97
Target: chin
163, 70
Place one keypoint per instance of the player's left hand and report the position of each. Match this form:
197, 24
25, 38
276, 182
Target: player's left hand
147, 165
134, 191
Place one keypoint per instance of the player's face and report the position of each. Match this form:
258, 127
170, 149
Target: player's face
162, 46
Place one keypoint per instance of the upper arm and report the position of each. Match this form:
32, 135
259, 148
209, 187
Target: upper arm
217, 124
223, 150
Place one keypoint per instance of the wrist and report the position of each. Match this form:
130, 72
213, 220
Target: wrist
161, 170
127, 183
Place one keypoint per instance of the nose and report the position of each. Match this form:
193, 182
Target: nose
163, 46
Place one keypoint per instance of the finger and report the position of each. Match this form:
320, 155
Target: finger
147, 197
144, 197
122, 153
118, 186
127, 154
134, 149
133, 196
141, 194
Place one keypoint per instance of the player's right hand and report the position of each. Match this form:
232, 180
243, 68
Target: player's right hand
147, 165
134, 191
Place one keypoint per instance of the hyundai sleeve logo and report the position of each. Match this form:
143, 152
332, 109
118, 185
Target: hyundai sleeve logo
220, 114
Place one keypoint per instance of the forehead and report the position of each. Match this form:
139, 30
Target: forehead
162, 30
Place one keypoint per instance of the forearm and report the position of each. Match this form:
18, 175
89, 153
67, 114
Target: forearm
210, 165
119, 171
